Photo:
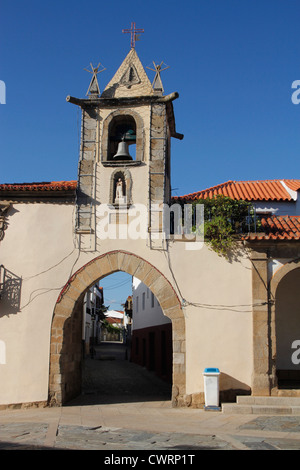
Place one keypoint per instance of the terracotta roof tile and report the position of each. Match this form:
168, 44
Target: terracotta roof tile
43, 186
273, 227
113, 320
277, 228
293, 184
265, 190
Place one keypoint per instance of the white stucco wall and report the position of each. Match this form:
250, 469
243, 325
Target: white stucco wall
145, 312
39, 247
277, 207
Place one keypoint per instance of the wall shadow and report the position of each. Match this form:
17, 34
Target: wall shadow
10, 292
230, 388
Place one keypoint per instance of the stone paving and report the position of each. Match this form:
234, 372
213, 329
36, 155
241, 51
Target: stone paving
30, 435
118, 439
125, 409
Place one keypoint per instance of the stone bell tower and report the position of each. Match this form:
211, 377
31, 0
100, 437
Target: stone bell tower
125, 149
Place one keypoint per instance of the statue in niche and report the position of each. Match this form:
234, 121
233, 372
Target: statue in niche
120, 198
119, 189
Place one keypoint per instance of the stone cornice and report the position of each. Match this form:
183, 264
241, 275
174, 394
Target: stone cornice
86, 103
118, 102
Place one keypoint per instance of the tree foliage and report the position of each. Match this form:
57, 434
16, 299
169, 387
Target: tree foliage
101, 310
110, 328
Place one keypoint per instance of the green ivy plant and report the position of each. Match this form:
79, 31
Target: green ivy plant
224, 220
219, 235
110, 328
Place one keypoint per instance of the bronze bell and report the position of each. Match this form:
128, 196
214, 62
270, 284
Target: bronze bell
122, 153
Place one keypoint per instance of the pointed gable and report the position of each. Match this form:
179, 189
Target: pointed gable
129, 80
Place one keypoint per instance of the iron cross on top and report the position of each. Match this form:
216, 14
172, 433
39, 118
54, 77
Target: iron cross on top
133, 31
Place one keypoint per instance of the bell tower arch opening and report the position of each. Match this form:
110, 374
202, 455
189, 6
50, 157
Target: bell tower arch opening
122, 138
66, 330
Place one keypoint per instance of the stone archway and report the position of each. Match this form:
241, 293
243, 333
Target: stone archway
65, 342
119, 113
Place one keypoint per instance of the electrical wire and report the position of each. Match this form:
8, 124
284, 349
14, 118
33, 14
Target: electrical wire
166, 252
116, 286
45, 289
185, 303
48, 269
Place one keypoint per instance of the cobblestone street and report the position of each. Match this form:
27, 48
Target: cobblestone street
124, 408
111, 378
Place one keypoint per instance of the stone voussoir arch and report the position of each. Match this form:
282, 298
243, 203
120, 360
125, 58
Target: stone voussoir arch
281, 272
65, 342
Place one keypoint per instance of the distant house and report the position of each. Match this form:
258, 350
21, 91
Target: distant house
118, 319
93, 301
151, 344
269, 197
117, 322
276, 203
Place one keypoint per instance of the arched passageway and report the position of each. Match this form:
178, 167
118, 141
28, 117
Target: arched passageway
66, 330
287, 326
283, 329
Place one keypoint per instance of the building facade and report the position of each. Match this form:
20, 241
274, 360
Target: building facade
151, 343
238, 314
92, 317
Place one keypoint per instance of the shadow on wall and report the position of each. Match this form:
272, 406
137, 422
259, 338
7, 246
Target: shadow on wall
10, 292
230, 388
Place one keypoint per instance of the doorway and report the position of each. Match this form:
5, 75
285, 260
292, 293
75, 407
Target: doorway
287, 324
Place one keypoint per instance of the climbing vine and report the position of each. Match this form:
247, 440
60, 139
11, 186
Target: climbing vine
224, 220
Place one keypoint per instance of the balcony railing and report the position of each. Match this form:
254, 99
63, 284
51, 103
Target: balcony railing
10, 291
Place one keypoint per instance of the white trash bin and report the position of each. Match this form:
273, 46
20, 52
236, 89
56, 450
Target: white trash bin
211, 388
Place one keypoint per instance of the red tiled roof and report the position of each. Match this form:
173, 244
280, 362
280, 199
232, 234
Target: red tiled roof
277, 228
113, 320
44, 186
293, 184
245, 190
265, 190
273, 227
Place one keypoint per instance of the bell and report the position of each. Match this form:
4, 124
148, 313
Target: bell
122, 153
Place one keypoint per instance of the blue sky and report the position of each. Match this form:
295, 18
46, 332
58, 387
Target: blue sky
232, 62
116, 288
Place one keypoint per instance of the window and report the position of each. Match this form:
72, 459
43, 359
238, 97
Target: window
144, 297
152, 299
